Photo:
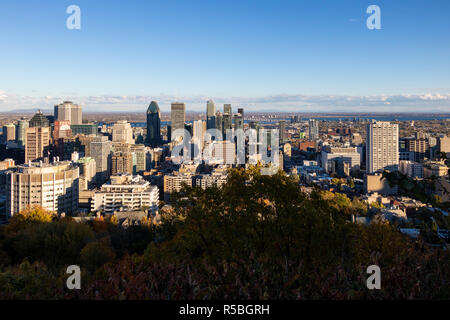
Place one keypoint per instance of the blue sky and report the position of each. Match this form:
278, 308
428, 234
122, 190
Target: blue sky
263, 55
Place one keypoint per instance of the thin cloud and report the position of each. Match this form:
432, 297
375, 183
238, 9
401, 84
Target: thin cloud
426, 102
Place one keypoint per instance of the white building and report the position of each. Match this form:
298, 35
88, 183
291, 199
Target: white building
348, 155
122, 132
69, 111
126, 193
382, 146
51, 186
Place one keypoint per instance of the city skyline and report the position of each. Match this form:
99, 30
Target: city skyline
310, 57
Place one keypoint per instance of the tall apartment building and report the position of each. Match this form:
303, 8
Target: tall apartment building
9, 133
51, 186
100, 150
69, 111
126, 193
419, 147
37, 143
122, 132
313, 130
382, 150
121, 162
177, 117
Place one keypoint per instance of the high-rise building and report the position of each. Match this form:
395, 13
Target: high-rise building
313, 130
141, 153
100, 150
198, 132
9, 133
122, 132
419, 147
178, 117
382, 146
227, 108
51, 186
39, 120
154, 125
121, 162
68, 111
241, 112
282, 125
210, 115
348, 155
37, 143
238, 121
21, 131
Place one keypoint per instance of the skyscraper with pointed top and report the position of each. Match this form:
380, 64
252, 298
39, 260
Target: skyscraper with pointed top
154, 125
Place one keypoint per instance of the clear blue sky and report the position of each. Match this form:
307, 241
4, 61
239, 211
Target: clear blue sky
196, 49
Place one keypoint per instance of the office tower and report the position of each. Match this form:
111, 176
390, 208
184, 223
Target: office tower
140, 153
178, 117
122, 132
241, 112
21, 131
238, 121
198, 132
121, 162
39, 120
9, 133
51, 186
126, 193
68, 111
210, 115
86, 129
282, 128
37, 143
227, 108
381, 146
313, 130
154, 125
100, 150
219, 122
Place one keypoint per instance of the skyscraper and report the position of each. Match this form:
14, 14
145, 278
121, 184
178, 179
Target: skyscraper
100, 150
39, 120
227, 123
37, 143
21, 131
178, 116
313, 129
382, 146
122, 132
282, 131
210, 115
9, 133
154, 125
68, 111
